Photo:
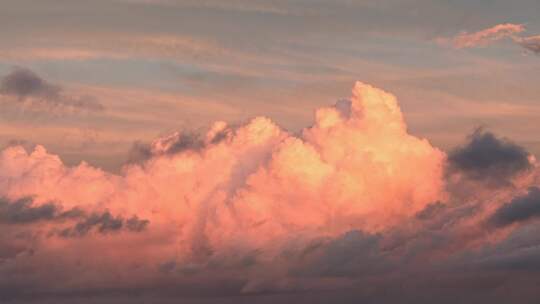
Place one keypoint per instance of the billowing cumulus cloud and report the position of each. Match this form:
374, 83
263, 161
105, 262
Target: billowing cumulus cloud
24, 85
352, 202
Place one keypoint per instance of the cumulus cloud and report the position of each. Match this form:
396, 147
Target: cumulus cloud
352, 202
23, 85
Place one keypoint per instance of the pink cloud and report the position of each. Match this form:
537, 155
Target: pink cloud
483, 37
355, 194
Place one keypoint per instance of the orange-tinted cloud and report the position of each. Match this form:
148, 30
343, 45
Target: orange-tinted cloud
354, 199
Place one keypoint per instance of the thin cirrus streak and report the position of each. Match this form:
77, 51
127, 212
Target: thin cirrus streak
264, 210
483, 37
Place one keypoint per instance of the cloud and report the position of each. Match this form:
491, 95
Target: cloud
531, 44
21, 211
483, 37
135, 224
23, 85
486, 157
520, 209
178, 142
25, 211
352, 254
350, 204
491, 35
104, 223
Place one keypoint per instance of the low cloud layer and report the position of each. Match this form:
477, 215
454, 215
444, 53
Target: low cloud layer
23, 85
353, 209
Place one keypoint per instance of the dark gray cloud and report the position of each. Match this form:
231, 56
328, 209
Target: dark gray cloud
487, 157
135, 224
24, 84
18, 220
172, 144
23, 211
520, 209
104, 223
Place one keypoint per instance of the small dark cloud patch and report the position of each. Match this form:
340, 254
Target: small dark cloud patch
185, 141
139, 152
487, 157
430, 211
23, 211
23, 85
520, 209
175, 143
135, 224
104, 223
531, 44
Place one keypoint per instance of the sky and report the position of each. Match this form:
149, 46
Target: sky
241, 151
